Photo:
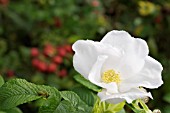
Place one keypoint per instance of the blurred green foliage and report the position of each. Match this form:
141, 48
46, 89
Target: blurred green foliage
25, 24
36, 23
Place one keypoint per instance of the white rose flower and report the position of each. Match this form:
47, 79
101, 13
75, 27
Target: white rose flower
119, 64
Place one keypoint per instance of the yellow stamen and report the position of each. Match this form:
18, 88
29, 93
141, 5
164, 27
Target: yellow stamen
110, 76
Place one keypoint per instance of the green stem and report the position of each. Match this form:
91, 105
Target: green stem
136, 108
145, 107
131, 106
104, 105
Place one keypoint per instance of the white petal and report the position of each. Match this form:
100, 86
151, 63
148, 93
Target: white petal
148, 77
86, 53
130, 65
135, 50
122, 39
85, 56
95, 75
118, 39
129, 96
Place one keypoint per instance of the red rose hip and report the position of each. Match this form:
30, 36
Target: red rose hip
52, 68
58, 59
49, 50
42, 66
34, 52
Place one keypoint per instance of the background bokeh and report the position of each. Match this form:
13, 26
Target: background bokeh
36, 37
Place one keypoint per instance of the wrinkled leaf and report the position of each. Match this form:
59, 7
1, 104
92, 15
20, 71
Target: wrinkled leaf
65, 107
16, 92
76, 102
19, 91
71, 97
86, 95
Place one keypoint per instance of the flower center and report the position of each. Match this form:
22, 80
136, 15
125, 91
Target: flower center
110, 76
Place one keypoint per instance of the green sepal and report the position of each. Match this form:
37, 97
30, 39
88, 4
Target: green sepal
104, 107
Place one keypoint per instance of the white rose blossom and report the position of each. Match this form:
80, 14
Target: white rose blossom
119, 64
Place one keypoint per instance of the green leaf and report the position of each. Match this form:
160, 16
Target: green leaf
65, 107
76, 102
13, 110
87, 83
86, 95
16, 92
1, 81
50, 104
71, 97
19, 91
